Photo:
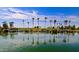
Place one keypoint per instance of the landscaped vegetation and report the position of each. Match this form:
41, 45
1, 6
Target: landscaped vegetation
56, 28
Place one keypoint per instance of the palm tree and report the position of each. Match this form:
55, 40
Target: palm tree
33, 21
38, 21
38, 24
45, 21
23, 22
73, 27
65, 22
50, 23
11, 24
69, 22
54, 23
28, 26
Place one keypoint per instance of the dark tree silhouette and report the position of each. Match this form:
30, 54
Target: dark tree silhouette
33, 21
54, 23
11, 24
5, 25
45, 21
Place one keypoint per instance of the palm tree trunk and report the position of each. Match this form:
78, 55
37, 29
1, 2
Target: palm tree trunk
45, 23
28, 26
50, 28
23, 23
38, 24
33, 23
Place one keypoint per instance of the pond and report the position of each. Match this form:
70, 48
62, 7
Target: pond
39, 42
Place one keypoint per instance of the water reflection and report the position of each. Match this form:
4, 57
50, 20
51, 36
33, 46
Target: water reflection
4, 35
12, 35
54, 39
33, 41
45, 42
26, 39
38, 39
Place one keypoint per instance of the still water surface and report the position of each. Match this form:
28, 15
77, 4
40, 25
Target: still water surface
39, 42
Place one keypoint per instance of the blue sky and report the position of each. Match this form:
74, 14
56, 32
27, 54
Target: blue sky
54, 10
17, 14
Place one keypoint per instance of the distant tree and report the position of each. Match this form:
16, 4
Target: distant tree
73, 27
50, 22
77, 28
45, 20
11, 24
54, 23
23, 22
61, 27
5, 25
37, 27
33, 21
69, 22
65, 22
38, 21
28, 24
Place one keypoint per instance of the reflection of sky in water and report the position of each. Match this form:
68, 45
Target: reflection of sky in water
15, 40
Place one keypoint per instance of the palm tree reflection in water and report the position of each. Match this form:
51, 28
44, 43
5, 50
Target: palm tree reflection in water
68, 36
54, 39
32, 40
12, 35
50, 39
4, 35
64, 39
28, 36
44, 41
23, 38
38, 39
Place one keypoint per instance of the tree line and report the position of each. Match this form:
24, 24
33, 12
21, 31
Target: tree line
60, 26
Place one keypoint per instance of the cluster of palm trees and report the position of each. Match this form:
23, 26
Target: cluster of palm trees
11, 24
6, 26
51, 21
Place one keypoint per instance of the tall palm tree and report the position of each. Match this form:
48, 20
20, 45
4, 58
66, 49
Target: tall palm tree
45, 21
50, 23
69, 22
33, 21
23, 23
38, 23
65, 22
54, 23
28, 27
28, 24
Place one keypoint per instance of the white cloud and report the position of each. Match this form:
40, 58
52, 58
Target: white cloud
14, 13
19, 16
